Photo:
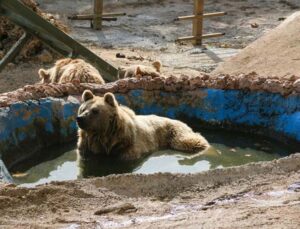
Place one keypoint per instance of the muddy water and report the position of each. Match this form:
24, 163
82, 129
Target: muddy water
228, 149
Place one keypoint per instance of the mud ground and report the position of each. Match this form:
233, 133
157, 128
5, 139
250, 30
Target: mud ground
148, 33
264, 195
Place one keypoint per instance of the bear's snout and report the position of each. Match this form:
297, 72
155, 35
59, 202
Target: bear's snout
80, 121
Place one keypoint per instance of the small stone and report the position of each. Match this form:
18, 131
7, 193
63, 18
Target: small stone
296, 85
120, 55
254, 25
11, 65
1, 54
45, 57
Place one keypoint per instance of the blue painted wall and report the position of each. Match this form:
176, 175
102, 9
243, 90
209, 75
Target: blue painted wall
26, 127
262, 109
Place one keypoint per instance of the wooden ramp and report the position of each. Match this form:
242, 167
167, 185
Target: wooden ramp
35, 25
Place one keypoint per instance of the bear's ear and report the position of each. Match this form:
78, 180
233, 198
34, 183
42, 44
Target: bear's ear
122, 72
157, 65
87, 95
110, 99
138, 71
44, 75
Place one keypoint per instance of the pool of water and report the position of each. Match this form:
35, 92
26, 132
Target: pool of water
228, 149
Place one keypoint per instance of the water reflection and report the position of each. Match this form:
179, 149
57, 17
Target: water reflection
227, 150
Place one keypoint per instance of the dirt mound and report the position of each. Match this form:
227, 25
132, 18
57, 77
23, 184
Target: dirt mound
275, 54
10, 33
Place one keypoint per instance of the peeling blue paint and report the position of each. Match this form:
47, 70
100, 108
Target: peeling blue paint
37, 122
268, 110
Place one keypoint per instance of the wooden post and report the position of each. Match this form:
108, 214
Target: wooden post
14, 50
98, 9
198, 21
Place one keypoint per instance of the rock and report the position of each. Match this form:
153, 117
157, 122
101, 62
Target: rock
45, 57
119, 209
1, 54
11, 65
296, 85
254, 25
120, 55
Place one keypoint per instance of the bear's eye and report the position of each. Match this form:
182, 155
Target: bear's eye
95, 111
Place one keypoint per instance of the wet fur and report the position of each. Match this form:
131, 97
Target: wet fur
120, 132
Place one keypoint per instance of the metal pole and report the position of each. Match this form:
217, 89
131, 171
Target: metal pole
198, 22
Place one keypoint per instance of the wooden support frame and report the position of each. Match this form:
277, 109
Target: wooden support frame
197, 19
98, 16
198, 22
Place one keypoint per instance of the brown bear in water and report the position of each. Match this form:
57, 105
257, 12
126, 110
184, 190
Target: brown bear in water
71, 71
107, 128
139, 71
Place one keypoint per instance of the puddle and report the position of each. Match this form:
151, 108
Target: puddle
232, 150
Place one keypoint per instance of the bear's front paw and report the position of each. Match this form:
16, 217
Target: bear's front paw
84, 155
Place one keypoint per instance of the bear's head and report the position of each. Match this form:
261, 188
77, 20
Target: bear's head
122, 72
96, 114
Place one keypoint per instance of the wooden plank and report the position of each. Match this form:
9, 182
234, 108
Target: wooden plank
53, 37
198, 22
215, 14
14, 51
211, 35
98, 9
91, 16
192, 38
191, 17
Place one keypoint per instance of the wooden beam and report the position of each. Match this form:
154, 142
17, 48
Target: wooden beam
214, 14
97, 17
14, 51
113, 14
192, 38
198, 22
191, 17
211, 35
91, 16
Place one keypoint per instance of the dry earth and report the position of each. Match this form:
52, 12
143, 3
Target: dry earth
264, 195
275, 54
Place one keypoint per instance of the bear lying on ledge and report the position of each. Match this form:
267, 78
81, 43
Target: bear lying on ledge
69, 70
107, 128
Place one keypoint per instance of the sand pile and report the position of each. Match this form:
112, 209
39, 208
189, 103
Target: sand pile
10, 33
277, 53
